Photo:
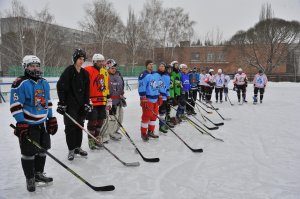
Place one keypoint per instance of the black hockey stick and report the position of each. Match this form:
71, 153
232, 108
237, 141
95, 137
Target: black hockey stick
205, 104
132, 164
217, 124
229, 100
201, 130
209, 112
194, 150
131, 141
210, 128
102, 188
219, 113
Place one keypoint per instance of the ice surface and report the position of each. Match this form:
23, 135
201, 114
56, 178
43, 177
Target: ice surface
259, 159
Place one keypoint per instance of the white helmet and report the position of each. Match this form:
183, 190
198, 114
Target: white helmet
173, 63
98, 57
220, 70
30, 59
182, 66
240, 70
211, 70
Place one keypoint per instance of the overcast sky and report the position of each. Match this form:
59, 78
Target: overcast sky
228, 16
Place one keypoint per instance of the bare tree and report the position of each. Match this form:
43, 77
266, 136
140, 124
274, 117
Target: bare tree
133, 35
102, 20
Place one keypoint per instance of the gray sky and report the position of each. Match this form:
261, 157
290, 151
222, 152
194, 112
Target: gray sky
228, 16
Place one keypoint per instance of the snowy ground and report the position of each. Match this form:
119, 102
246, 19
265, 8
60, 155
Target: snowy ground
259, 159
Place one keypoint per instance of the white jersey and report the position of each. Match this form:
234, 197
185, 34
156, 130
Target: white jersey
227, 80
219, 80
260, 81
209, 79
202, 80
240, 79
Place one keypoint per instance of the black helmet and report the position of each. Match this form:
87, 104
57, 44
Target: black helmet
260, 71
78, 53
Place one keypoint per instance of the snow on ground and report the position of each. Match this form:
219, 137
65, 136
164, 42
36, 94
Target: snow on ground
260, 158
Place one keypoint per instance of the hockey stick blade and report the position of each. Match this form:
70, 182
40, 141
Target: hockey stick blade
217, 124
132, 164
103, 188
196, 150
146, 159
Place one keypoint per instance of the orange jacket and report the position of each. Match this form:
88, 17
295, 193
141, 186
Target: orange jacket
99, 87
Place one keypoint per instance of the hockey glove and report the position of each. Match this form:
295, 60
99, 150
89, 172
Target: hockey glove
85, 109
51, 125
108, 104
21, 130
123, 101
143, 101
234, 87
61, 108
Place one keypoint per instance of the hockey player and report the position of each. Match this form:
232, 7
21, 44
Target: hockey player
185, 92
226, 82
202, 85
149, 99
175, 83
164, 89
116, 89
259, 82
219, 79
73, 93
31, 106
240, 83
194, 78
99, 96
209, 79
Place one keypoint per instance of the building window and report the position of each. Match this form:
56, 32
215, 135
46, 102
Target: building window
210, 57
220, 57
195, 56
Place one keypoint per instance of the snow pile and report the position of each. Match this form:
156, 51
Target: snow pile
259, 159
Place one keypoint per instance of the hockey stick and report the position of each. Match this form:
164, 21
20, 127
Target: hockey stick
209, 112
194, 150
102, 188
217, 124
205, 104
229, 100
193, 108
210, 128
200, 129
133, 164
131, 141
219, 113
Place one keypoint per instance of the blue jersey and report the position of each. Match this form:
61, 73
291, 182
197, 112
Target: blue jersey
164, 85
30, 100
185, 81
194, 80
149, 85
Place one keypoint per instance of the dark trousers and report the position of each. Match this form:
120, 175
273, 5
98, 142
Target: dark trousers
208, 92
241, 88
33, 160
72, 131
217, 91
261, 93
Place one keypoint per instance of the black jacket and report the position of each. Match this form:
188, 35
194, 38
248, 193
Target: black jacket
73, 88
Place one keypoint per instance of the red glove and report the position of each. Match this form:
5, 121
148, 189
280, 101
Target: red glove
22, 130
160, 100
143, 101
51, 125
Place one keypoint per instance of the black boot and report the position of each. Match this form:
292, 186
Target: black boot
152, 135
40, 177
80, 151
30, 183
